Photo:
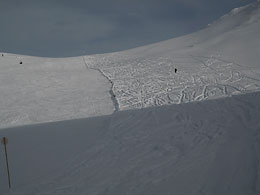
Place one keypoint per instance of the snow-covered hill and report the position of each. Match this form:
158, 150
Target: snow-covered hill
235, 37
209, 145
219, 61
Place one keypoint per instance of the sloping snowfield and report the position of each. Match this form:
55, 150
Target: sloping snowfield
42, 90
145, 128
152, 81
210, 147
219, 61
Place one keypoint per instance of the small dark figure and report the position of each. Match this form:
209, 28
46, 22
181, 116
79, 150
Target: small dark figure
2, 55
21, 62
175, 70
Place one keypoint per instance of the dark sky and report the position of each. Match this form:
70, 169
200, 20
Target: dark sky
59, 28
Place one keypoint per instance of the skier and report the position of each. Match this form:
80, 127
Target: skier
175, 70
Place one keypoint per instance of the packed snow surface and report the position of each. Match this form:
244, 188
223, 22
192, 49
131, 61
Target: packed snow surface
152, 81
207, 144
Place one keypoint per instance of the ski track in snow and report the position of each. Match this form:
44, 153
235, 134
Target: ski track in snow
151, 81
209, 147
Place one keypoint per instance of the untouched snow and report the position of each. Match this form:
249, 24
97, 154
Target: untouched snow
42, 90
210, 147
234, 37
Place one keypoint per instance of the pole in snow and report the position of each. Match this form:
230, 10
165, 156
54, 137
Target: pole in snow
5, 141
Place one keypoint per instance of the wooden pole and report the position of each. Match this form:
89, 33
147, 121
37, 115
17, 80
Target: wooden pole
5, 141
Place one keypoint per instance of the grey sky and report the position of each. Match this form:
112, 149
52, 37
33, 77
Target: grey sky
74, 27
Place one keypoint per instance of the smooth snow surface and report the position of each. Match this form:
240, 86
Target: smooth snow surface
209, 147
42, 90
207, 144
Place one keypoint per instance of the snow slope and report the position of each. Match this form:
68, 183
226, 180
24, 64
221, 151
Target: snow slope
219, 61
210, 147
235, 37
45, 89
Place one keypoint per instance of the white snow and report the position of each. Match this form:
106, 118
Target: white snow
220, 61
152, 81
41, 90
211, 147
207, 144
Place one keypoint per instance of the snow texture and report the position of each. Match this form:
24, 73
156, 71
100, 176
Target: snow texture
219, 61
196, 131
210, 147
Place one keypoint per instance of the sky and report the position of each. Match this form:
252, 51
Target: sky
63, 28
